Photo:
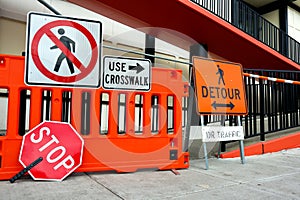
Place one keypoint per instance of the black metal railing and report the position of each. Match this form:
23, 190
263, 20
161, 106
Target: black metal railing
272, 106
246, 19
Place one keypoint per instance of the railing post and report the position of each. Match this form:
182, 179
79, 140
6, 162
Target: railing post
234, 12
246, 19
282, 43
262, 109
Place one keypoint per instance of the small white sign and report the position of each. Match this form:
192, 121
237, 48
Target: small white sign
63, 51
222, 133
123, 73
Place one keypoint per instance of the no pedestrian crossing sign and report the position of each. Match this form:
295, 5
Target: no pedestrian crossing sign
63, 51
124, 73
219, 87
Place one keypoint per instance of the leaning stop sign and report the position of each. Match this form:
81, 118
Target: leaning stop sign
58, 144
219, 87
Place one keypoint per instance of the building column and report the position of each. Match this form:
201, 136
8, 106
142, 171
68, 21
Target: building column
283, 17
283, 25
193, 119
195, 50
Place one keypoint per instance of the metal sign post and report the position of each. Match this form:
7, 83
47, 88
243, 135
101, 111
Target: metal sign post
204, 144
242, 153
241, 142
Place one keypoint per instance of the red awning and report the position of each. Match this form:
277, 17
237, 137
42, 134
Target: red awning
183, 23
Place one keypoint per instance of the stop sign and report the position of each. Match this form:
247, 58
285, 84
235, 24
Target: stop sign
58, 144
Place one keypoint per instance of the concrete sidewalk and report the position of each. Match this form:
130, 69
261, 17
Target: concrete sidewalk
269, 176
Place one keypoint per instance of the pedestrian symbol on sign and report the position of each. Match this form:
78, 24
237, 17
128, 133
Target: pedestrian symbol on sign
68, 43
221, 75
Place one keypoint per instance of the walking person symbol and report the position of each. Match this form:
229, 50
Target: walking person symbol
221, 75
68, 43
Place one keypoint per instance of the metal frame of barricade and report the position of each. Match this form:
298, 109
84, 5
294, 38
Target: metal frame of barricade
241, 142
125, 151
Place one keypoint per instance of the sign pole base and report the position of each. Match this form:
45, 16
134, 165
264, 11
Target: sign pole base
242, 153
205, 155
204, 145
219, 150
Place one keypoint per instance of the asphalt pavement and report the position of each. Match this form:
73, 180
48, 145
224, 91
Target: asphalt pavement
268, 176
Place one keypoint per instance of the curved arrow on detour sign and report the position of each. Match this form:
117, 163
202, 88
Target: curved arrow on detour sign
58, 144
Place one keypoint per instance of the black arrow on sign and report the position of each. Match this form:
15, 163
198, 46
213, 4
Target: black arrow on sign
215, 105
136, 67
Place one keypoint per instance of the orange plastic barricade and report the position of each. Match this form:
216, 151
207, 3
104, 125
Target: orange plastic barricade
122, 130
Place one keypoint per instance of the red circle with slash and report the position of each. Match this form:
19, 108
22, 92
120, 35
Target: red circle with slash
85, 70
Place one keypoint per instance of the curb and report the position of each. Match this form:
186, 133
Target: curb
287, 142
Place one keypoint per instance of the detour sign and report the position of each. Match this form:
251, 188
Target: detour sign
219, 87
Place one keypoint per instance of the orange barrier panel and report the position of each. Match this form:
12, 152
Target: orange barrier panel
122, 130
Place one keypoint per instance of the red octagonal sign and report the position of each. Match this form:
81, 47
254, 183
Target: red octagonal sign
58, 144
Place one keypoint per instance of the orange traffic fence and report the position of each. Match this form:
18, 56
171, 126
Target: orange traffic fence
122, 130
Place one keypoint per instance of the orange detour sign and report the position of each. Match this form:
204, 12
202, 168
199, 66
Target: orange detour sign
219, 87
